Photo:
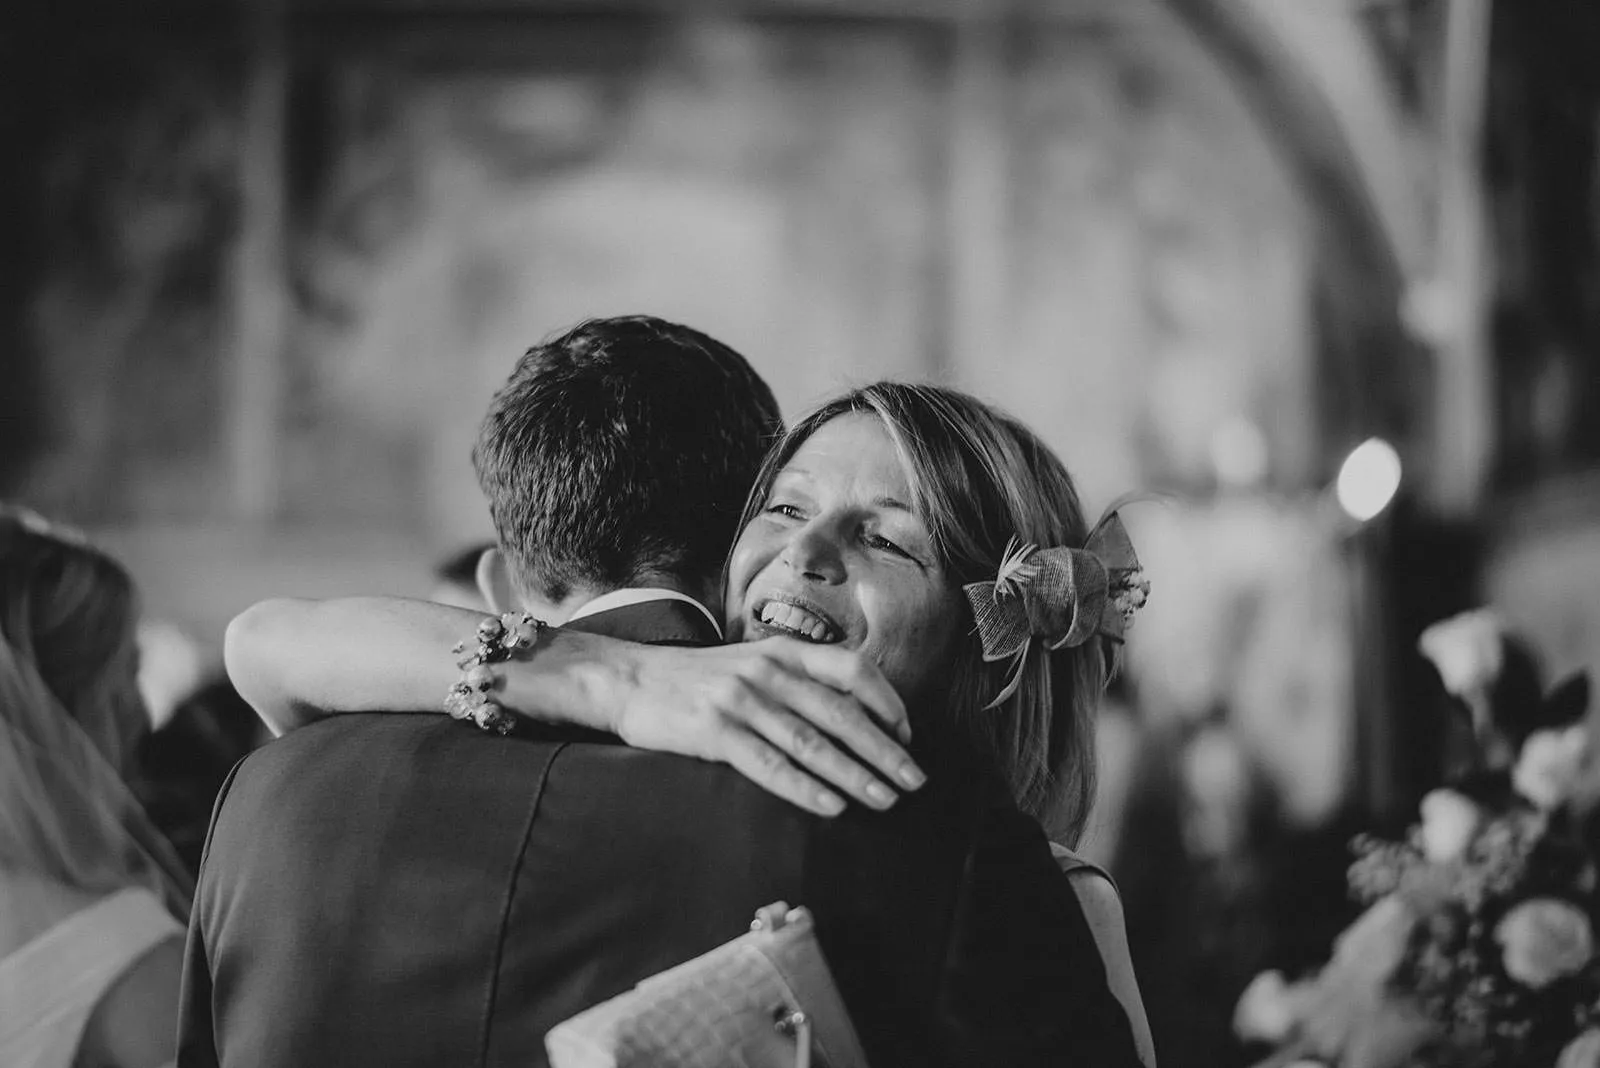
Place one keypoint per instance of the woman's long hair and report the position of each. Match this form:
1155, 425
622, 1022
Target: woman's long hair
978, 479
70, 718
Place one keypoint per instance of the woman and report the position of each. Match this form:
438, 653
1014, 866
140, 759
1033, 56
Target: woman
876, 525
91, 940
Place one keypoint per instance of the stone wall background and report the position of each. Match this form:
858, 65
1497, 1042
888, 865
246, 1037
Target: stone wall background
802, 188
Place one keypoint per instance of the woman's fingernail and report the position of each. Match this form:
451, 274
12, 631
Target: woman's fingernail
831, 804
880, 794
912, 775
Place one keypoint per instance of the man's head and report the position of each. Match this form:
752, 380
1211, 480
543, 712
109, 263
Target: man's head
620, 454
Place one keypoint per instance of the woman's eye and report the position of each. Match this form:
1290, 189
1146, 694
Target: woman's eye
788, 511
877, 541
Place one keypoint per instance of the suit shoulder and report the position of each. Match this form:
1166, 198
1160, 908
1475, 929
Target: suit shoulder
289, 749
646, 773
608, 752
354, 730
338, 754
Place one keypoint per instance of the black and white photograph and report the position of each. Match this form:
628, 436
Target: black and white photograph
800, 534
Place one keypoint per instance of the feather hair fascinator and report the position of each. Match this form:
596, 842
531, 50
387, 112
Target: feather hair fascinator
1062, 596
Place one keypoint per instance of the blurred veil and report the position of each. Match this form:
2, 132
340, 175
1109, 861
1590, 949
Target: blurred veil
66, 814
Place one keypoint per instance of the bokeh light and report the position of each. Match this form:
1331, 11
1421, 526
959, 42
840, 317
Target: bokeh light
1369, 479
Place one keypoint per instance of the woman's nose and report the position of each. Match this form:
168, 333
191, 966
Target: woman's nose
813, 553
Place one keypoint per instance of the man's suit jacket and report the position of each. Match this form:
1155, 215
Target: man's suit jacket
396, 890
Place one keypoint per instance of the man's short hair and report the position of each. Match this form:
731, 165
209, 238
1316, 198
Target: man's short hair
622, 451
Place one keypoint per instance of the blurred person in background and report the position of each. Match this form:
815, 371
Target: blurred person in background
172, 666
91, 932
202, 727
1227, 813
1258, 892
183, 763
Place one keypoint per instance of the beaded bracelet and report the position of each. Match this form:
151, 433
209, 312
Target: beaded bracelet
496, 640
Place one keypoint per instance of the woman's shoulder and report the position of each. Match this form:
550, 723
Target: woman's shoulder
132, 1021
1077, 867
1016, 895
35, 904
1095, 890
1011, 841
81, 970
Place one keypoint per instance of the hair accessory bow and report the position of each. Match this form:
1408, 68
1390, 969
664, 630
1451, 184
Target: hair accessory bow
1065, 596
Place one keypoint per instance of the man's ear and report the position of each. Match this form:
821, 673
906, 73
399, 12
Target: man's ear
494, 582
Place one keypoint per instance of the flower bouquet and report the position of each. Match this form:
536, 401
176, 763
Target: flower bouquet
1477, 948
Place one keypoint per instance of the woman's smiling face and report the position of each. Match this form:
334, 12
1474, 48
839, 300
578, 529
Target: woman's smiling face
836, 555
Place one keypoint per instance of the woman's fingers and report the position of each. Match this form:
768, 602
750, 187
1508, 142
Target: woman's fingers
759, 708
813, 713
849, 672
763, 764
811, 749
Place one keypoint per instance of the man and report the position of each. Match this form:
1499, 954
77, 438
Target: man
407, 890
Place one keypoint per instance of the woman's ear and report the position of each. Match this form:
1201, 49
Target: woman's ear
494, 581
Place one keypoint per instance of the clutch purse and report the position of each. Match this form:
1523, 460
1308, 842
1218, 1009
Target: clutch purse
764, 1000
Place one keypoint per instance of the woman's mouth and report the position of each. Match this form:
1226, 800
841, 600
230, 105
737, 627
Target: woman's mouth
802, 621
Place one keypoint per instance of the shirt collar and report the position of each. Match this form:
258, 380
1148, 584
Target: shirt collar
633, 595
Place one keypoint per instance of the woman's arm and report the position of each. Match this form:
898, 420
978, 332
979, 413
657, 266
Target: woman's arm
298, 661
789, 715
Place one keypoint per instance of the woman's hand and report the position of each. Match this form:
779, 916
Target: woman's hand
791, 716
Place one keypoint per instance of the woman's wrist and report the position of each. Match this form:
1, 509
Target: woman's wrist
575, 679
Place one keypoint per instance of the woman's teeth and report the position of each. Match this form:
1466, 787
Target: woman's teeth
796, 620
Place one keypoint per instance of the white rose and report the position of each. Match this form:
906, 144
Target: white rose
1266, 1011
1449, 820
1467, 650
1582, 1052
1544, 939
1549, 765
